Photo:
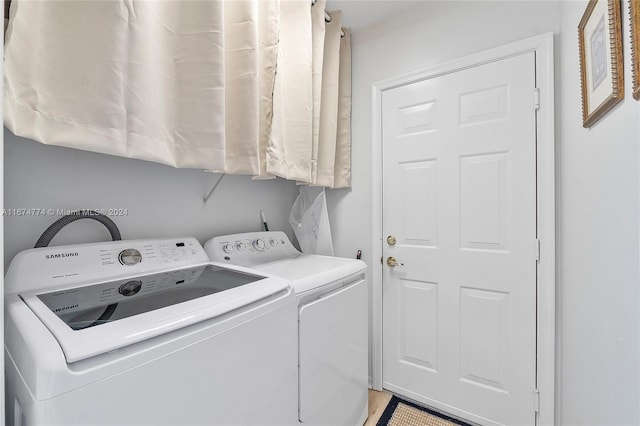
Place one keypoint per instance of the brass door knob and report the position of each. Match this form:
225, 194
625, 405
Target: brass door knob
393, 262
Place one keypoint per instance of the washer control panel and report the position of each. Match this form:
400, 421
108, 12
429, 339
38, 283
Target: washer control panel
251, 248
151, 253
61, 265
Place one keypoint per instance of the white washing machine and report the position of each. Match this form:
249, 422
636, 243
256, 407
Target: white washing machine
332, 296
146, 332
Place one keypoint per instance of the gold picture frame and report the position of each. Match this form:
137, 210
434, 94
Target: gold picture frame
634, 16
601, 66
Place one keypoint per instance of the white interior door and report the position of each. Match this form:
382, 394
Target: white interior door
459, 196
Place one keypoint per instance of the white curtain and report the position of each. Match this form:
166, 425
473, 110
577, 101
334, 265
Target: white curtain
237, 86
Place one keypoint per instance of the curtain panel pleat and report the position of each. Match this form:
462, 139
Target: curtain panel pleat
342, 171
318, 38
252, 87
269, 15
329, 104
289, 148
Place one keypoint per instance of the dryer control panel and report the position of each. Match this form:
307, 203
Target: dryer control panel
63, 265
251, 248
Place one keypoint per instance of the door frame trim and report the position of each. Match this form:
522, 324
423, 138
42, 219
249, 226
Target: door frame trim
542, 46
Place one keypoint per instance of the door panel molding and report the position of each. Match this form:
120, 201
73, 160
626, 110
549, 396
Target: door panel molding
542, 45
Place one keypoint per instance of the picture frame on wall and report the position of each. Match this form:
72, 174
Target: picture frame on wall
601, 66
634, 16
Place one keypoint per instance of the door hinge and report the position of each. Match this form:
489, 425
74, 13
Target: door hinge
537, 250
536, 400
536, 98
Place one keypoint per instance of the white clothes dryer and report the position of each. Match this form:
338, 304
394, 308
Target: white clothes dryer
333, 299
146, 332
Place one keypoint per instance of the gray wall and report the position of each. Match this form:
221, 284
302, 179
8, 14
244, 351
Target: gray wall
598, 225
161, 201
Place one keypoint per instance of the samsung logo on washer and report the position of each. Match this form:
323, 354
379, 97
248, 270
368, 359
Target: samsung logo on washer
61, 255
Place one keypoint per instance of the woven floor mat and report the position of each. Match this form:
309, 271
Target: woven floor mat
404, 413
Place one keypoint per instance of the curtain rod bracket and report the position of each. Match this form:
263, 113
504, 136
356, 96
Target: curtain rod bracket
210, 193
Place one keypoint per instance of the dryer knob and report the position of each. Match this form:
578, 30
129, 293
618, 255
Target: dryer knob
259, 245
130, 257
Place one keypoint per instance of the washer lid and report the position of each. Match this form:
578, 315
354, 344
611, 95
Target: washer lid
97, 318
309, 271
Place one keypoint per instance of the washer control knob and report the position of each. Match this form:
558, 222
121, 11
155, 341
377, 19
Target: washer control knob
130, 288
273, 242
227, 248
130, 257
259, 244
241, 246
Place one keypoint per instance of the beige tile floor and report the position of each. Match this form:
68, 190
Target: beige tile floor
377, 403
